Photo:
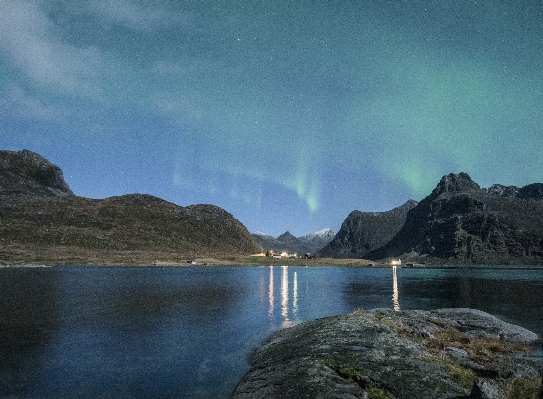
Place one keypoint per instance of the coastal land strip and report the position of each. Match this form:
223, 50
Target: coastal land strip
145, 258
69, 257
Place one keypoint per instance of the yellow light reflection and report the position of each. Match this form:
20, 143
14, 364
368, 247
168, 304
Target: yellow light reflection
295, 296
270, 293
395, 295
289, 300
284, 292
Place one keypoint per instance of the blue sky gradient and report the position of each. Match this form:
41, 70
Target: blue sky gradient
287, 114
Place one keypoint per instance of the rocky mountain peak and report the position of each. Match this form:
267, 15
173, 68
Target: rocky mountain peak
40, 218
287, 242
363, 232
534, 191
326, 233
286, 237
409, 204
25, 173
498, 190
461, 222
259, 233
454, 184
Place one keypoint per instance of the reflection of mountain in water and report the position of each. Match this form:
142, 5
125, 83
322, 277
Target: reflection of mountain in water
27, 295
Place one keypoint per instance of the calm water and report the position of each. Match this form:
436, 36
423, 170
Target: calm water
187, 332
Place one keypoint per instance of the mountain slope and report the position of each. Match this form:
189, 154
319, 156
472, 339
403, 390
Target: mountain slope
461, 222
363, 232
25, 173
47, 223
287, 242
317, 240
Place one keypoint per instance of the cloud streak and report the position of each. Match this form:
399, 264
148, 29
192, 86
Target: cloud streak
18, 104
30, 43
135, 16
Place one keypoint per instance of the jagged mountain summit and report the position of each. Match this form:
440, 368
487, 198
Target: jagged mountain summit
25, 173
41, 220
363, 232
324, 234
286, 242
287, 238
462, 222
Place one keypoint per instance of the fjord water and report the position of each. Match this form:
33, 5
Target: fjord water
187, 332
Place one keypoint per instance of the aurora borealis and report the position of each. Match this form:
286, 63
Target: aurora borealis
287, 114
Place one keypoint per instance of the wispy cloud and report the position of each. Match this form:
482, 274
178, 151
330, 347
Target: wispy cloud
134, 16
17, 103
31, 45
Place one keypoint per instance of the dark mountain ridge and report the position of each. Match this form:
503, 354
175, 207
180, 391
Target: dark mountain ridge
461, 222
25, 173
41, 220
287, 242
363, 232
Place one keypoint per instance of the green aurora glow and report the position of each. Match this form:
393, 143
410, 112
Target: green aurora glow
287, 114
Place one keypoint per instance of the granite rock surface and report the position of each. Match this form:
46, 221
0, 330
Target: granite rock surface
444, 353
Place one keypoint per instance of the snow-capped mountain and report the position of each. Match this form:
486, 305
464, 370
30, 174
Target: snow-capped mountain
286, 242
259, 233
323, 234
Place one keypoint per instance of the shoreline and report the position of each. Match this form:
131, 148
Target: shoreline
253, 261
70, 256
200, 262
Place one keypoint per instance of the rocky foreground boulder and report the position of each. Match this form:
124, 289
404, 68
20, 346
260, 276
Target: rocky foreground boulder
445, 353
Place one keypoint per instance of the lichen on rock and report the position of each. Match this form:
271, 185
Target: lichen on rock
445, 353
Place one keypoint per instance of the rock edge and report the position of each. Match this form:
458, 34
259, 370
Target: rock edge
444, 353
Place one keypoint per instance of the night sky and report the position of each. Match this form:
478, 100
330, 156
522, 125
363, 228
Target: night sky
288, 114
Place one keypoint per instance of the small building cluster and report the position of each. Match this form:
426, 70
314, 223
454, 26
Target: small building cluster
284, 254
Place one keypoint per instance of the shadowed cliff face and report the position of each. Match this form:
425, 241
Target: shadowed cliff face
533, 191
25, 173
459, 221
453, 184
363, 232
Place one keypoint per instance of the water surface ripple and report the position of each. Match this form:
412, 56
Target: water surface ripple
171, 332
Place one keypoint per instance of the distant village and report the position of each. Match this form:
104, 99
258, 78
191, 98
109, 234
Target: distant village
275, 255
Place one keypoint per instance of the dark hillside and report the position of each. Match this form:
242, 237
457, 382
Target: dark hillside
363, 232
40, 226
461, 222
24, 173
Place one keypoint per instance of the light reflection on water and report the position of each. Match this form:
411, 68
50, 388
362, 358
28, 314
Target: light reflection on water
187, 332
284, 294
289, 304
395, 293
271, 295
